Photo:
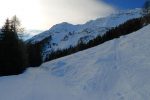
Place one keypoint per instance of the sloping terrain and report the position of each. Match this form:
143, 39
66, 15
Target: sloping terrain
64, 35
116, 70
30, 33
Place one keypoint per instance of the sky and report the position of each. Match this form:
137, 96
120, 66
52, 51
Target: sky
43, 14
125, 4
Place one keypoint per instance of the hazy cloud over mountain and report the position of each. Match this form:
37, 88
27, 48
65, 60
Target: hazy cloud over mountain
42, 14
75, 11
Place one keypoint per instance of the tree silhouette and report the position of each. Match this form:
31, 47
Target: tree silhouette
13, 56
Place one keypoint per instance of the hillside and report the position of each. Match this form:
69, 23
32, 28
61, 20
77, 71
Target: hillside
30, 33
116, 70
64, 35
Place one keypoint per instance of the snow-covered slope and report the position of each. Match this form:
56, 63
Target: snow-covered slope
116, 70
64, 35
27, 34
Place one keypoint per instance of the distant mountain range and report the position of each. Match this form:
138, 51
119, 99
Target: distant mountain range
64, 35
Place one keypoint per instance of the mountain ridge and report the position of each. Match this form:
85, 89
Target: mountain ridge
64, 35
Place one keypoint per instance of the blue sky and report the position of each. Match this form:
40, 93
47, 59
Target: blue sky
125, 4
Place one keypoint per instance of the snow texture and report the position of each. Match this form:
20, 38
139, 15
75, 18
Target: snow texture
116, 70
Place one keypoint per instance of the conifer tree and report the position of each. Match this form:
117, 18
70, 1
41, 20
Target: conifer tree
13, 57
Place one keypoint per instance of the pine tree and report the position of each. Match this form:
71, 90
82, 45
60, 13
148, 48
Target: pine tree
13, 57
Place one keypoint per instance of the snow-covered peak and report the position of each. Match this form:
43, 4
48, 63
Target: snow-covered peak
112, 20
64, 35
63, 27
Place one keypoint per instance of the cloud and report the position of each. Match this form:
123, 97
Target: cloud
74, 11
42, 14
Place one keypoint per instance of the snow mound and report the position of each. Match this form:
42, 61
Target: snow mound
116, 70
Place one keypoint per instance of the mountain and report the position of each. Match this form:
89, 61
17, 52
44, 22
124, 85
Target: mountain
115, 70
30, 33
64, 35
